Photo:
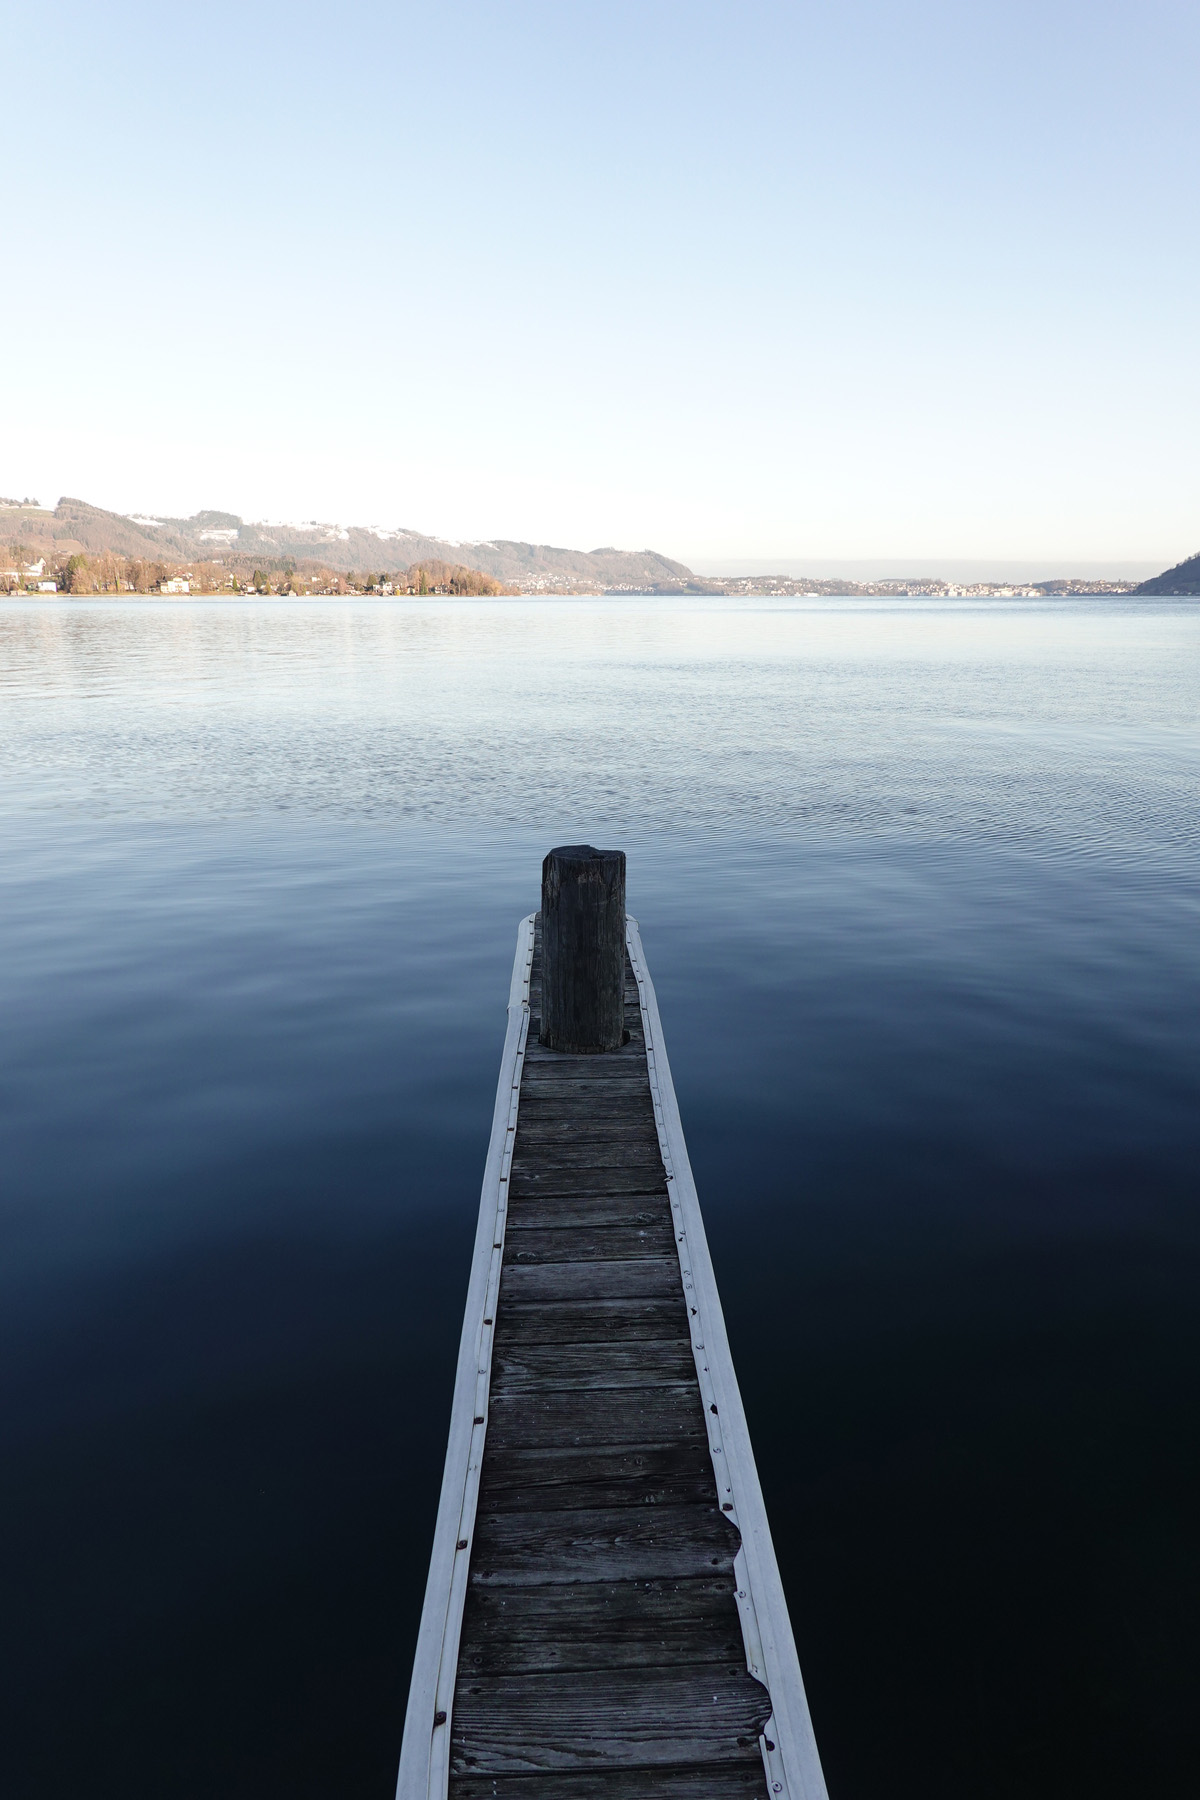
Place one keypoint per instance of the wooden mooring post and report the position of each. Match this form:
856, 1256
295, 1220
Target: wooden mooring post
603, 1618
583, 950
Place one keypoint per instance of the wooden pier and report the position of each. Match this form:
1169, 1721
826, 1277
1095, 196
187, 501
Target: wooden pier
604, 1618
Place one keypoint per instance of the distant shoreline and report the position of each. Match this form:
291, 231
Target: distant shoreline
230, 596
90, 549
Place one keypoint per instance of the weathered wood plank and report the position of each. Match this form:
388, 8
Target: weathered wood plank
565, 1212
603, 1243
588, 1321
616, 1543
603, 1109
594, 1099
595, 1071
646, 1362
536, 1130
560, 1104
617, 1625
573, 1183
628, 1065
613, 1475
703, 1714
731, 1780
580, 1151
629, 1055
653, 1278
597, 1075
567, 1417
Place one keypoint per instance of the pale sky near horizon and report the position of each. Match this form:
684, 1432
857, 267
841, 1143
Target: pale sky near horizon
855, 280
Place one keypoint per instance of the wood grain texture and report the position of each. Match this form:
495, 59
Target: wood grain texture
626, 1064
582, 1151
601, 1654
572, 1418
656, 1278
569, 1212
617, 1625
541, 1132
638, 1362
583, 958
591, 1320
595, 1243
613, 1543
731, 1780
706, 1712
575, 1183
615, 1475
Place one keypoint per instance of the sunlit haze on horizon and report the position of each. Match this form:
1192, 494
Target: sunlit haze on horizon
738, 282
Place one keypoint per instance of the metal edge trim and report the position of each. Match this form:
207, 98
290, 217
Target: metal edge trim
425, 1752
793, 1765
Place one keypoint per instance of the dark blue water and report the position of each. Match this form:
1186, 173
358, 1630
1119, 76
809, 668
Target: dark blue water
920, 889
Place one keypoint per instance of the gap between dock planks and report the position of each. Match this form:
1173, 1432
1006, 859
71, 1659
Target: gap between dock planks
564, 1671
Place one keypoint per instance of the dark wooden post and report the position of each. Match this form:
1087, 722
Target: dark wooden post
583, 949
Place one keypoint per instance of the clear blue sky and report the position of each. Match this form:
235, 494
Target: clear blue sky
758, 280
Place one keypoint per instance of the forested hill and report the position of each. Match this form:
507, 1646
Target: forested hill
1184, 578
74, 527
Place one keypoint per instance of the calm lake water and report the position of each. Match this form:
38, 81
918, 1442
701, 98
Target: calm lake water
919, 884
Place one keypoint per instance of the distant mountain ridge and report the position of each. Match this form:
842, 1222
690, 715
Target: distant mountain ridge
75, 527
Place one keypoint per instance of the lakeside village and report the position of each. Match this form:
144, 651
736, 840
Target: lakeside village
81, 575
930, 587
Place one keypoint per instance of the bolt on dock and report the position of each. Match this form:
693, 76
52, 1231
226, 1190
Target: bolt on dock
604, 1618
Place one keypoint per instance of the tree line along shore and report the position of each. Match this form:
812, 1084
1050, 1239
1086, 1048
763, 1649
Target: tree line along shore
107, 573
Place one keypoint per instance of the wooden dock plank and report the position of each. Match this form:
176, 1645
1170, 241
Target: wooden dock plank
606, 1113
705, 1713
613, 1543
574, 1419
652, 1278
555, 1136
569, 1212
742, 1780
592, 1320
620, 1475
619, 1069
640, 1362
582, 1151
598, 1243
573, 1184
598, 1625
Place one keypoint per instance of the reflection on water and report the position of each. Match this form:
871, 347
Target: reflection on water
919, 888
